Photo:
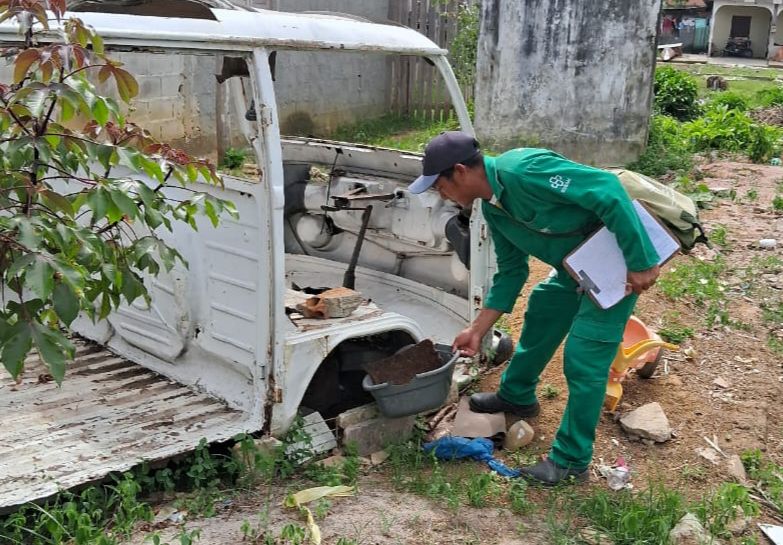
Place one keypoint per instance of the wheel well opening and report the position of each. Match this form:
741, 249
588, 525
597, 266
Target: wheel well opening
337, 384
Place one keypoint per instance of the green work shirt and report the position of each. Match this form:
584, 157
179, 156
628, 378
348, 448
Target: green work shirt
538, 191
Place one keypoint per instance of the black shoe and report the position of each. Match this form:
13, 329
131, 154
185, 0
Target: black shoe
548, 473
490, 402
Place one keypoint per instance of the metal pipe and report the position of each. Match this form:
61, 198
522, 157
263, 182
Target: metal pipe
349, 280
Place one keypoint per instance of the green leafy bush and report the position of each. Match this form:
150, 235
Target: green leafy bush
667, 149
732, 130
770, 97
732, 101
675, 94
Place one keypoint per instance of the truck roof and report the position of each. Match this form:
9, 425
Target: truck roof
244, 30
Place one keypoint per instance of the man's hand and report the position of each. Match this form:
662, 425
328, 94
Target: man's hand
642, 280
467, 342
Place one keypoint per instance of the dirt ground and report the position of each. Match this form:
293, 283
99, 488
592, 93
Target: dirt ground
742, 412
376, 515
746, 414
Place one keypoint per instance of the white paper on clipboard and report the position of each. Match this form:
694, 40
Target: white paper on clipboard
599, 264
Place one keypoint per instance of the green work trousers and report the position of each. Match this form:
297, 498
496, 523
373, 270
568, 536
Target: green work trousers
594, 335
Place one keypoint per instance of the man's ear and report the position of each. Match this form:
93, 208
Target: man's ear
462, 169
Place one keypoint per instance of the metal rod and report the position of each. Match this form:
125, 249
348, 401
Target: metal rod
349, 280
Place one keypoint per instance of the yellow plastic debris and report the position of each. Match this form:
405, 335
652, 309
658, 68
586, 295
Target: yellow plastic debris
311, 494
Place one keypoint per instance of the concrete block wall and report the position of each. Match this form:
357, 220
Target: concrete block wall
316, 92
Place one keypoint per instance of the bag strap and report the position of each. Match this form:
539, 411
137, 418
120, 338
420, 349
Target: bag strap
584, 231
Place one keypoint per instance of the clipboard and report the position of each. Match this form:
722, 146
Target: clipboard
598, 264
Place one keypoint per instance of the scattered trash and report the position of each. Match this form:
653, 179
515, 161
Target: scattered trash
773, 532
169, 513
302, 497
775, 161
618, 476
519, 435
768, 243
689, 352
480, 449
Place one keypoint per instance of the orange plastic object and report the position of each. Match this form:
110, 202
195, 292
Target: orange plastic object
640, 346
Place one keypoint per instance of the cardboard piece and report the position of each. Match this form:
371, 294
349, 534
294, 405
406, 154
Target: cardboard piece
472, 425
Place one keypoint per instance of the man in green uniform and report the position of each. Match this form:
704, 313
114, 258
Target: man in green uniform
538, 203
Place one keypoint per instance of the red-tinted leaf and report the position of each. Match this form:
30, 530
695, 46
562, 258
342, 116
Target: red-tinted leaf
105, 72
23, 62
127, 85
58, 7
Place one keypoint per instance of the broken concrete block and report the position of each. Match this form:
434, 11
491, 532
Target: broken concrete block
356, 415
321, 438
373, 435
689, 531
648, 422
736, 469
333, 303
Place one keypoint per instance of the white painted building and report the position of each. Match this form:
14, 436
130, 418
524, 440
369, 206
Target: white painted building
757, 20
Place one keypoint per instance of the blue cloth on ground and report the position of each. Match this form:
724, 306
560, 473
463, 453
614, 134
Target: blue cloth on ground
454, 448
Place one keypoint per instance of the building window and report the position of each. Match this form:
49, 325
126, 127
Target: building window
740, 26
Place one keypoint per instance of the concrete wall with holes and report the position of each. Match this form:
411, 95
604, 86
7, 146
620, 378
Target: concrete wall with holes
316, 92
572, 76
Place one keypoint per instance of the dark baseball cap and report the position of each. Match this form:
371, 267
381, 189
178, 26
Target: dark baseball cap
443, 152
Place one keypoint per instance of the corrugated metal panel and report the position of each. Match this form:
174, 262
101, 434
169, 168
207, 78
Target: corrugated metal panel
109, 415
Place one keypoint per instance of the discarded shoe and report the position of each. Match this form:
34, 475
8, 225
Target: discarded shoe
491, 402
548, 473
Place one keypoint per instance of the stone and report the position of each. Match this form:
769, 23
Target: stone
739, 524
333, 461
673, 380
591, 536
648, 422
736, 469
356, 415
377, 458
519, 435
721, 382
373, 435
709, 454
689, 531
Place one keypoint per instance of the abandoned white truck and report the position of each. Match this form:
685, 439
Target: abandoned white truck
215, 353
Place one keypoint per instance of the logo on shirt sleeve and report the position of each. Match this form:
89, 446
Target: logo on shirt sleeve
559, 183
